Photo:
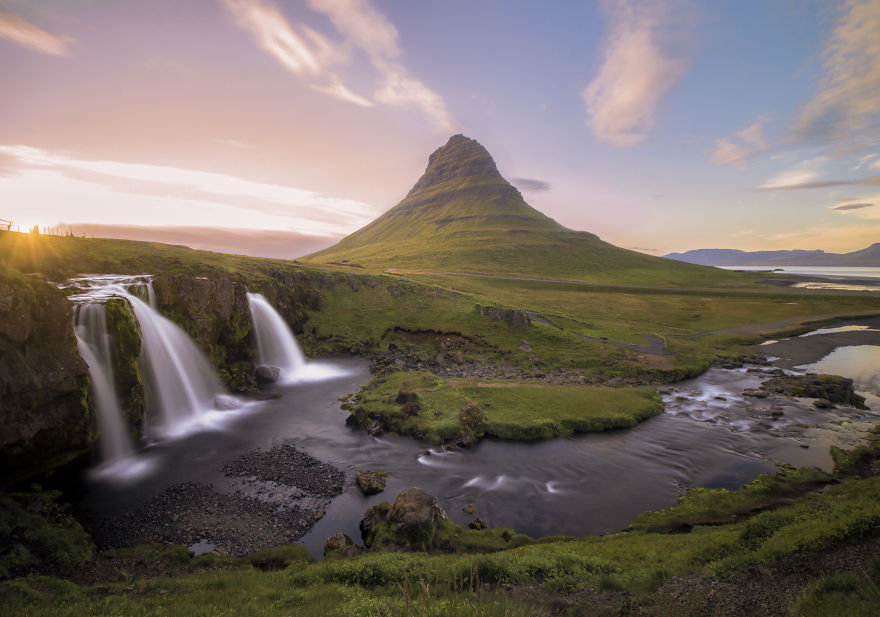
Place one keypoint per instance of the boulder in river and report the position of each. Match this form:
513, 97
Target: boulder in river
409, 523
832, 388
267, 374
370, 482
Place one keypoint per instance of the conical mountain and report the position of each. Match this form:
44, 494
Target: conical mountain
463, 216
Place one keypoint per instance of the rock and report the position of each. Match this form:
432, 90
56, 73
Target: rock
374, 429
822, 403
477, 523
353, 421
406, 395
756, 393
411, 409
833, 388
471, 424
45, 418
267, 374
224, 402
372, 520
413, 510
370, 482
521, 319
525, 346
343, 544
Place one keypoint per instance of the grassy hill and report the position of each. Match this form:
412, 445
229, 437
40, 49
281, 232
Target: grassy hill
463, 216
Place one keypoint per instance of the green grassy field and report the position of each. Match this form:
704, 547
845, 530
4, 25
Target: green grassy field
506, 409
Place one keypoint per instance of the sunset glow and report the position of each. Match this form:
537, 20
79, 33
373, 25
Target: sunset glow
661, 126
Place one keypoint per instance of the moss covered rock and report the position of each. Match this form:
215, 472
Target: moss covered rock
125, 332
831, 388
44, 414
370, 482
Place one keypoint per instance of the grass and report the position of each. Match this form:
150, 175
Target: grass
509, 409
341, 309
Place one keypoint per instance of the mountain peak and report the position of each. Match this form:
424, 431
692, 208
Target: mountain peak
461, 159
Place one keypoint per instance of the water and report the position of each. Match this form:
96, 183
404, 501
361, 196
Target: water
181, 391
94, 344
824, 271
277, 345
275, 342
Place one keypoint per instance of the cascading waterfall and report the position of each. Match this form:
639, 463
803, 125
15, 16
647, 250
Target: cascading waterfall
93, 340
275, 342
278, 347
181, 389
180, 384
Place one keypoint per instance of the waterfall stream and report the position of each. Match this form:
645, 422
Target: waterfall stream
182, 393
277, 346
275, 342
93, 340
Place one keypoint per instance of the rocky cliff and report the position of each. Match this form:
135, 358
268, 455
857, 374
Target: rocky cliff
44, 413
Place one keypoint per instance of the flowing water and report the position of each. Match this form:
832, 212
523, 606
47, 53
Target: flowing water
277, 346
182, 393
94, 345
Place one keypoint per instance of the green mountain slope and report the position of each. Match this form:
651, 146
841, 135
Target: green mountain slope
463, 216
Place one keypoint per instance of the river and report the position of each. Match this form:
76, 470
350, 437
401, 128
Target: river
710, 436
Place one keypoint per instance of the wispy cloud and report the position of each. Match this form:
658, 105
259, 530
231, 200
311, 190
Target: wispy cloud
742, 145
308, 211
365, 27
799, 176
866, 207
14, 28
310, 55
640, 63
338, 90
857, 206
846, 106
530, 185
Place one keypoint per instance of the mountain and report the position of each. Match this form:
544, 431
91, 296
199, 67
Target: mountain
729, 257
463, 216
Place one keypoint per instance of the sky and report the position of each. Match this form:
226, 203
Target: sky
275, 127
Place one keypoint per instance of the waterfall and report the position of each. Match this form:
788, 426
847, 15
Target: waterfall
180, 387
93, 340
275, 342
179, 382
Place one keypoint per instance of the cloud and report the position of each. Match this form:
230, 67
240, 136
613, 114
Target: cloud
528, 184
309, 55
254, 242
338, 90
242, 200
801, 175
846, 105
274, 35
25, 34
640, 64
642, 249
857, 206
365, 27
866, 207
742, 145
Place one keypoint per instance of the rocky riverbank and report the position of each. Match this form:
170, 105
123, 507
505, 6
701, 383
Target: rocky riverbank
269, 498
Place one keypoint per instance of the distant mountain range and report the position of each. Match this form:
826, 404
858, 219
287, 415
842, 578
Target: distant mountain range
869, 257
